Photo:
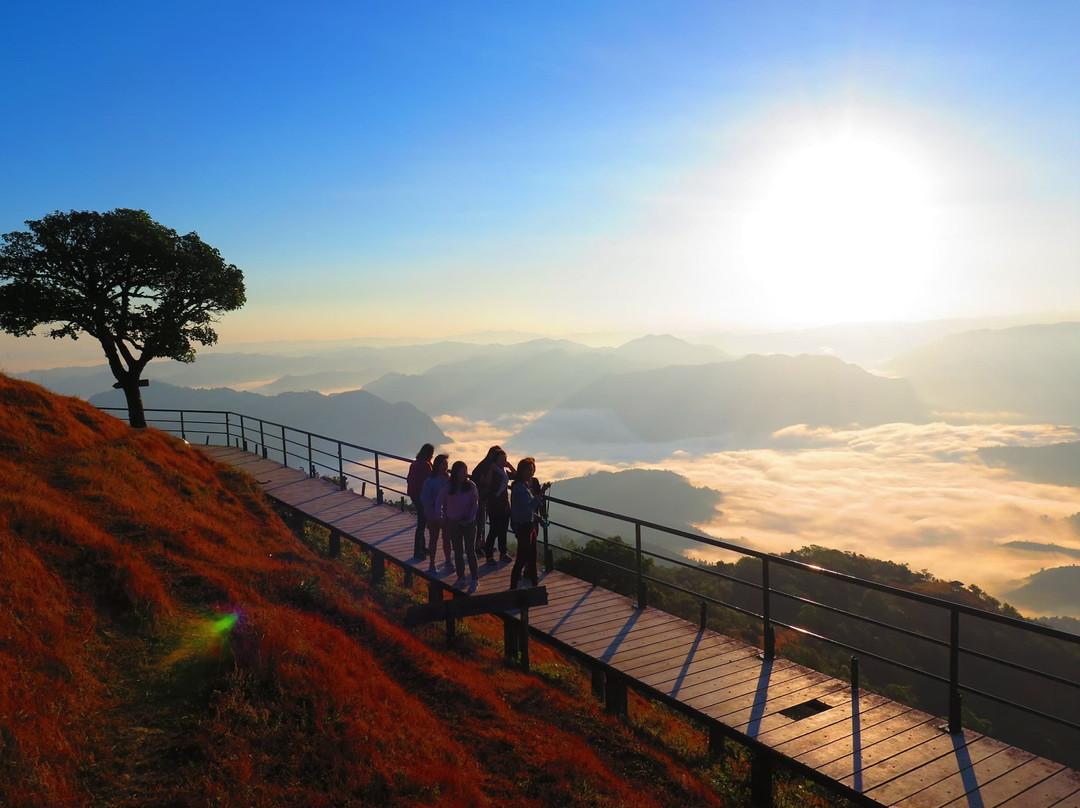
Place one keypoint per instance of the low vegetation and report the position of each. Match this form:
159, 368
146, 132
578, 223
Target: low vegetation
165, 640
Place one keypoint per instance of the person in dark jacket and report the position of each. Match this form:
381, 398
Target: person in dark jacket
494, 490
419, 471
526, 497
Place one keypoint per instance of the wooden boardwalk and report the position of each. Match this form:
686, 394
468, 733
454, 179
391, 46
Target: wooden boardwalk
862, 745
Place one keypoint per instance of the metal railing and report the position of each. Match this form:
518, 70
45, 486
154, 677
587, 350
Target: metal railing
350, 462
351, 465
952, 644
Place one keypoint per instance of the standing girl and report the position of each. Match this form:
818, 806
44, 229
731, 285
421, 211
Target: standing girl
526, 497
429, 497
457, 504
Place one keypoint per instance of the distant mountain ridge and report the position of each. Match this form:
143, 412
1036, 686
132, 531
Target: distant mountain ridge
1031, 372
1054, 591
356, 416
531, 376
750, 397
1057, 464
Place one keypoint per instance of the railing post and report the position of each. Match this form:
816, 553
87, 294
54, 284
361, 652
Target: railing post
284, 448
310, 457
378, 487
768, 638
243, 432
640, 573
340, 467
955, 723
549, 561
854, 673
704, 618
183, 434
262, 438
228, 430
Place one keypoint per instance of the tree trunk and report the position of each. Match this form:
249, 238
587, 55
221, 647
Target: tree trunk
133, 394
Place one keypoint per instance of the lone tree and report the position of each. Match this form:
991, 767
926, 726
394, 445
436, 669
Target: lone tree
139, 288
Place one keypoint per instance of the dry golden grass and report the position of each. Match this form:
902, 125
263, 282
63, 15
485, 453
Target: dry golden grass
165, 640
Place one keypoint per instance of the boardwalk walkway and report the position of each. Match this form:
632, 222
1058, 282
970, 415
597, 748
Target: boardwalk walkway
868, 748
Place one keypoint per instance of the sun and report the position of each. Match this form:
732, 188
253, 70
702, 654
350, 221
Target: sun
842, 229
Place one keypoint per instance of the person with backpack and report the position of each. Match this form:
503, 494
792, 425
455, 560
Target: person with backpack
495, 490
479, 477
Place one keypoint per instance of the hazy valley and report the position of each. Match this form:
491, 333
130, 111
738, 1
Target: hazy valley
964, 464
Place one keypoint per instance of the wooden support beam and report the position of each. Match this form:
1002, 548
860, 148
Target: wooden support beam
717, 741
510, 638
598, 683
468, 605
378, 566
335, 544
524, 634
761, 780
615, 701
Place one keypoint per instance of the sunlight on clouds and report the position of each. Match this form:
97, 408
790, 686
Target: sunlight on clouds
910, 493
915, 494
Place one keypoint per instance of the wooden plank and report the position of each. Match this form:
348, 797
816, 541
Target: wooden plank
831, 725
710, 672
922, 780
848, 755
675, 651
603, 623
558, 614
1014, 782
884, 761
668, 664
970, 780
738, 689
748, 719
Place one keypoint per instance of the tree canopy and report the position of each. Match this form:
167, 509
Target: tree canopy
140, 289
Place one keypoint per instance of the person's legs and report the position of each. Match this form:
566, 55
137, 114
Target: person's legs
434, 527
419, 547
481, 520
530, 562
521, 531
457, 537
468, 530
501, 529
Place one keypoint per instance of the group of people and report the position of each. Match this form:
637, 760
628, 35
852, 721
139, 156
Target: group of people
456, 505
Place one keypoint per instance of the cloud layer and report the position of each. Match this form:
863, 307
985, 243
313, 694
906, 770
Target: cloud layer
915, 494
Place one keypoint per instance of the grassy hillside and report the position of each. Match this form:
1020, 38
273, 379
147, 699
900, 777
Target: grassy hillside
164, 640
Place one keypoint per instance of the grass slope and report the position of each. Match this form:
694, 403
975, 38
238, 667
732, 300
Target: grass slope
164, 640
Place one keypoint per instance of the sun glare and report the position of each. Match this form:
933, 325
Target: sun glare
842, 229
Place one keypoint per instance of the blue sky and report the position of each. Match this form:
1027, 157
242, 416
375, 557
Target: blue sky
428, 168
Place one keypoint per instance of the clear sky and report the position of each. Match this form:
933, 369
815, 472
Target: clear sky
429, 168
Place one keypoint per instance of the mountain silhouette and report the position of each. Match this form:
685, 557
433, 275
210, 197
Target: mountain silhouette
1027, 373
357, 416
750, 397
1052, 591
655, 495
531, 376
1057, 464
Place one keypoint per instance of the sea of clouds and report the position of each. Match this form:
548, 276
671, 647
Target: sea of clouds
911, 493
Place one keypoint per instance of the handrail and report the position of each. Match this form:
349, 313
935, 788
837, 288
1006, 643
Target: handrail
642, 579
